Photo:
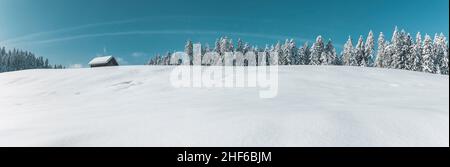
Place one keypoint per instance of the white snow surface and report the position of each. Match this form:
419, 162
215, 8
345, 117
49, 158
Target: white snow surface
137, 106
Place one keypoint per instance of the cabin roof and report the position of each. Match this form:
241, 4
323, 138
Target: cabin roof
100, 60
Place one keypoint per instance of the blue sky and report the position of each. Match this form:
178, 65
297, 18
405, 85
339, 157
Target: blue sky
74, 31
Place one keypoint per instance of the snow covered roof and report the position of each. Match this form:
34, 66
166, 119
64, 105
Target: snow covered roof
100, 60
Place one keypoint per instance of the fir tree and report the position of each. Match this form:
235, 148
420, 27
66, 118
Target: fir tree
329, 57
189, 50
303, 54
417, 54
369, 50
316, 51
380, 51
359, 52
348, 53
427, 55
407, 50
441, 52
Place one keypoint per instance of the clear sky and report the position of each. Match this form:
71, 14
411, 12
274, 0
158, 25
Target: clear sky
74, 31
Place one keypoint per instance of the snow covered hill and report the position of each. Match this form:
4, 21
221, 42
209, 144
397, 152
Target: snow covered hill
137, 106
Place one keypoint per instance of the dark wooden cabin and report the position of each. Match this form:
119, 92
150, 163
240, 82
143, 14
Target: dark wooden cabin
103, 61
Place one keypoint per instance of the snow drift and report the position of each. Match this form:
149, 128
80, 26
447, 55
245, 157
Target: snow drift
137, 106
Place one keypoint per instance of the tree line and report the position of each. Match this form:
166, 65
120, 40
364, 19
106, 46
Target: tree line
14, 60
401, 52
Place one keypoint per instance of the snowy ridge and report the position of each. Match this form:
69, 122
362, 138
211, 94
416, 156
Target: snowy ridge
137, 106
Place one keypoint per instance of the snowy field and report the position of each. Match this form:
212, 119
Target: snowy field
137, 106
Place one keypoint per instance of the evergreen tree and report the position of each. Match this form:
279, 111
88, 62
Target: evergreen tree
264, 58
303, 54
381, 51
369, 50
224, 45
436, 53
289, 53
316, 51
427, 55
359, 52
324, 57
240, 46
408, 47
445, 62
398, 53
293, 57
388, 52
284, 58
230, 46
46, 65
417, 54
247, 48
20, 60
401, 53
330, 57
348, 53
279, 50
441, 52
189, 50
217, 46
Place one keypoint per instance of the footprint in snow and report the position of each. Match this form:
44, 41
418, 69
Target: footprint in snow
125, 85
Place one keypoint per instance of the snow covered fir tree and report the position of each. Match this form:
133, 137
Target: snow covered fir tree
401, 52
13, 60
